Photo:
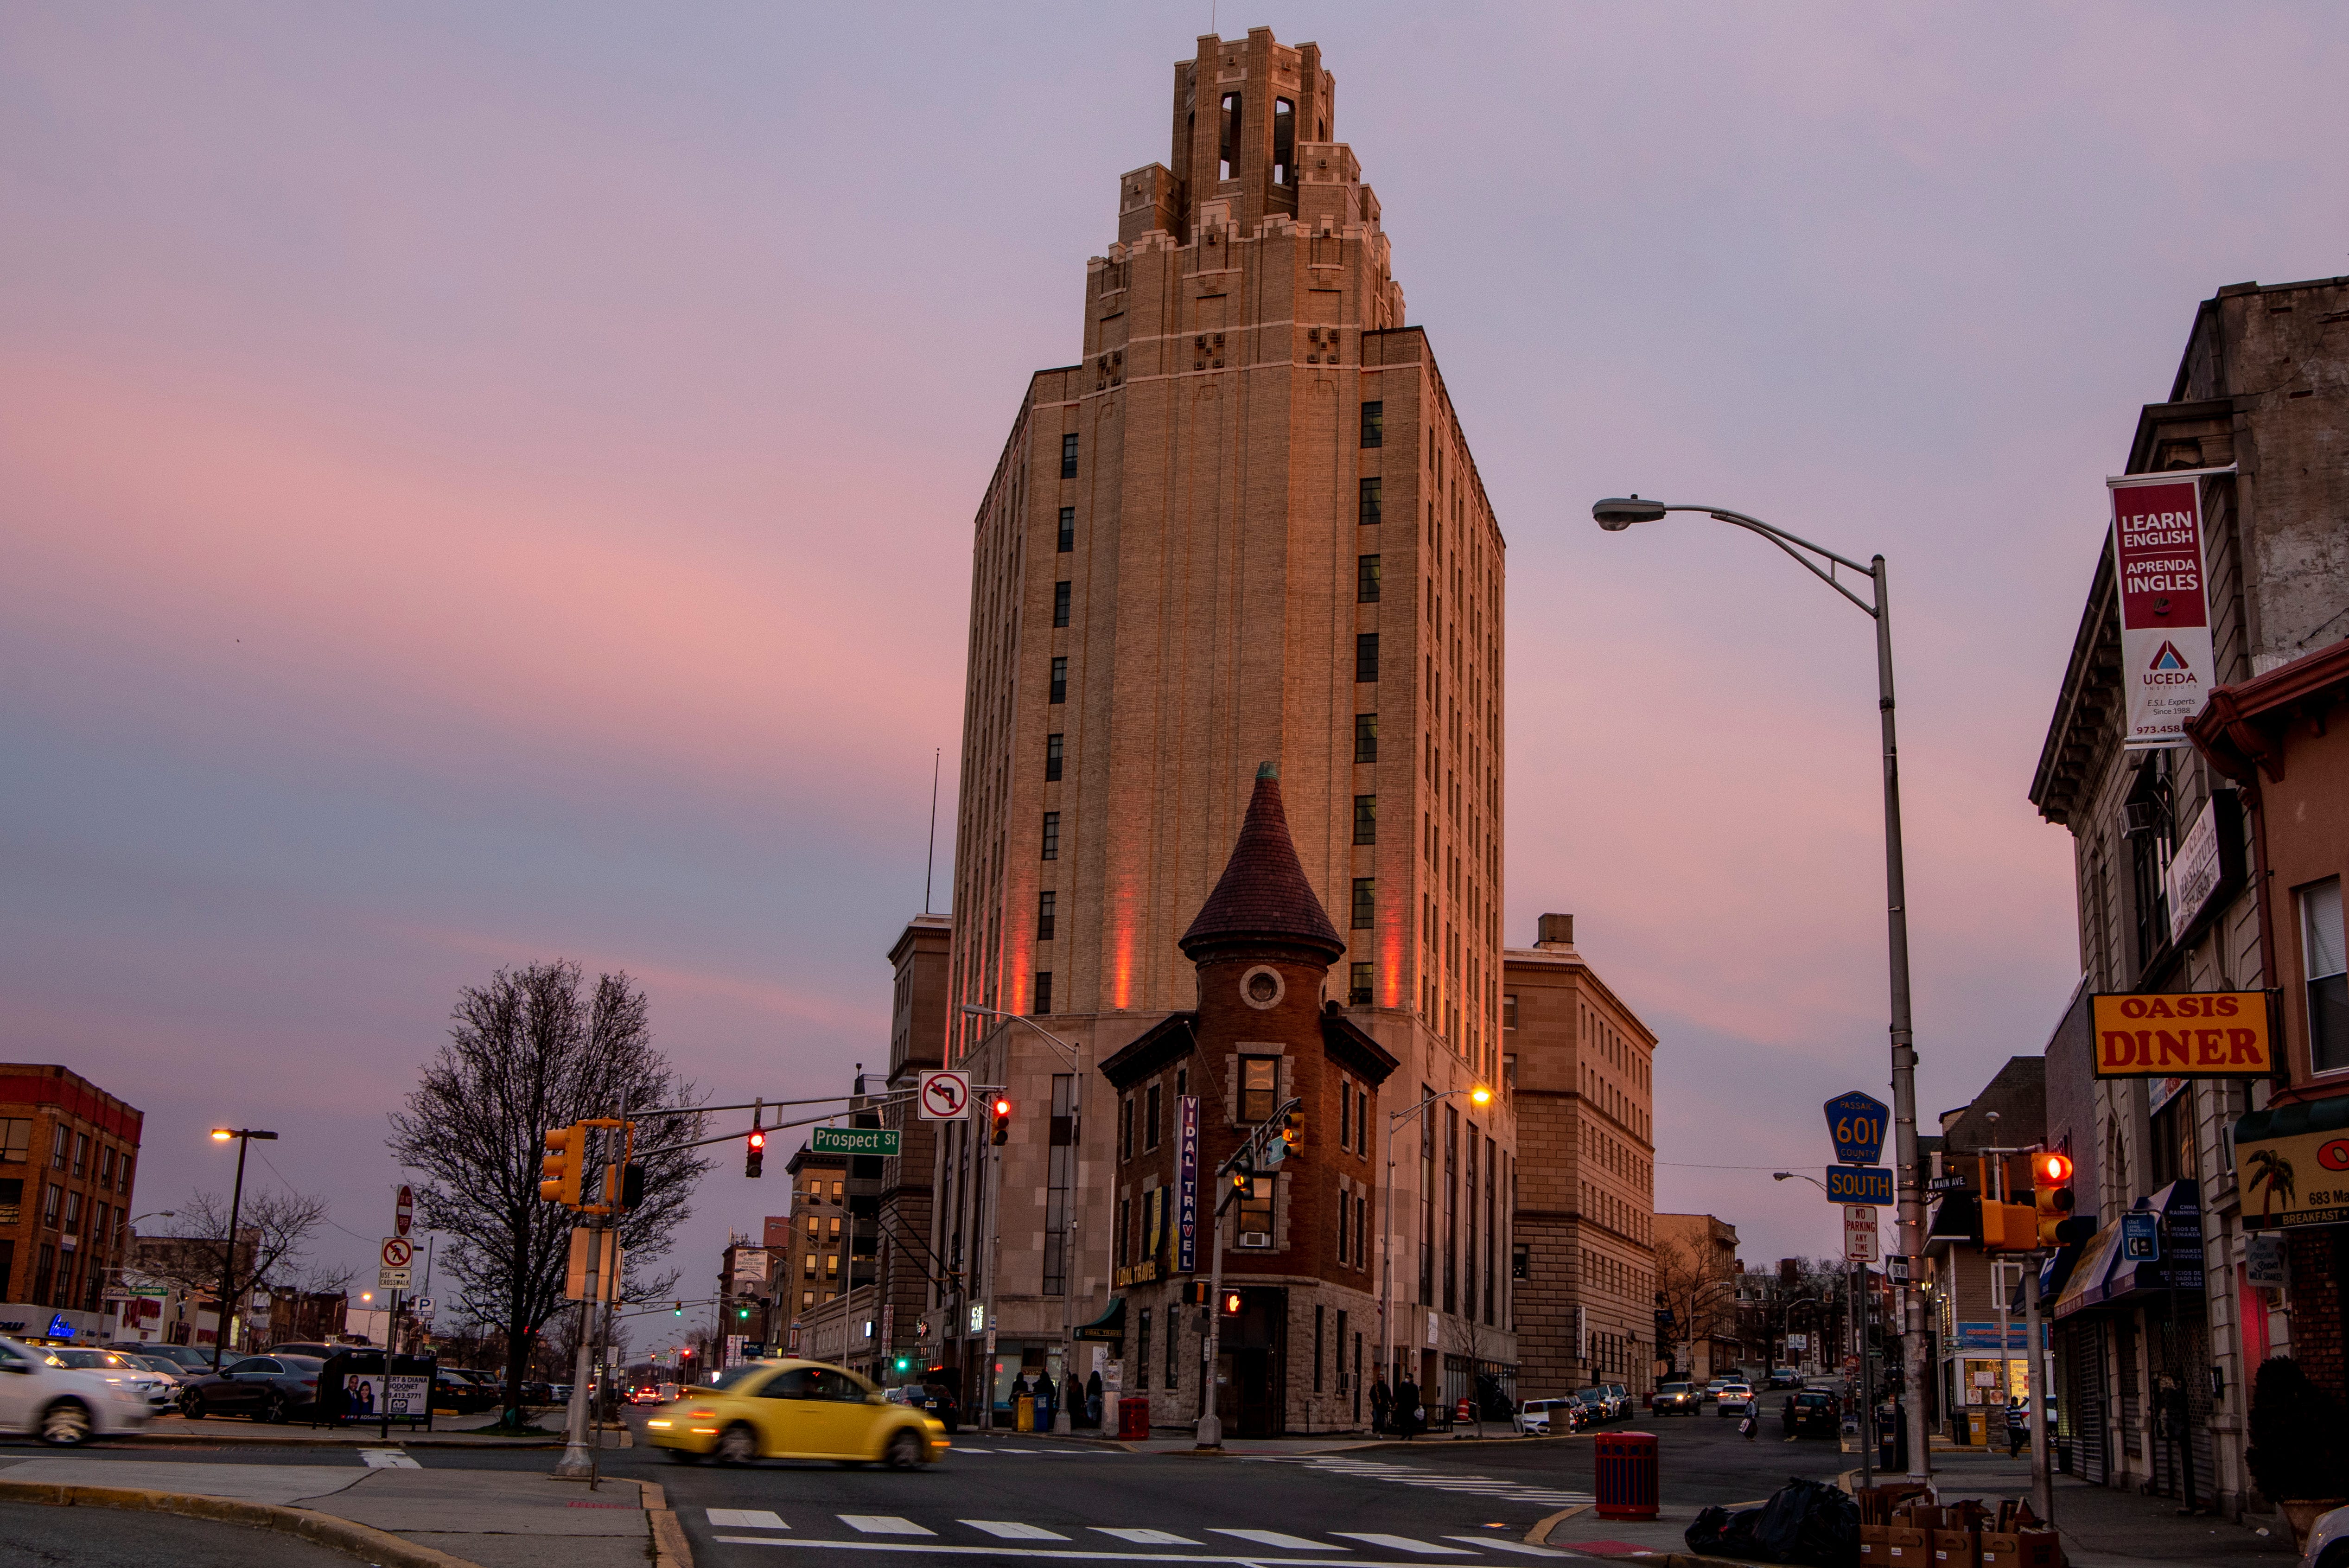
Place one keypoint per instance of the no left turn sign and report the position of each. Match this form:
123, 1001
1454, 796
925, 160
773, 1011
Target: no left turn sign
944, 1096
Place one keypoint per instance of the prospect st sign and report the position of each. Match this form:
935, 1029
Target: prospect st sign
880, 1141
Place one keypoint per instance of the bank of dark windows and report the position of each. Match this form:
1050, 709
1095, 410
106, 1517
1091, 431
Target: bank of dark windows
1059, 681
1366, 579
1367, 517
2324, 955
1366, 657
1150, 1117
1061, 1179
1451, 1210
1374, 424
1067, 529
1059, 604
1051, 835
1260, 1086
1358, 986
1043, 991
1366, 819
1045, 912
1366, 898
1366, 737
1426, 1204
1051, 758
1255, 1214
1067, 457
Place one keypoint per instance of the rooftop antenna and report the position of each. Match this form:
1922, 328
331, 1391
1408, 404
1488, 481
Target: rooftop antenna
931, 865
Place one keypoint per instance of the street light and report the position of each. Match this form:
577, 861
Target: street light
1618, 513
244, 1137
1068, 1219
1479, 1095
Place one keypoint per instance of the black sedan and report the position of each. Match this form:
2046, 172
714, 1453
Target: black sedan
1812, 1411
940, 1401
266, 1387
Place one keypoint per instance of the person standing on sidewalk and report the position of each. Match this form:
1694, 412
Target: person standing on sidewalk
1407, 1411
1381, 1401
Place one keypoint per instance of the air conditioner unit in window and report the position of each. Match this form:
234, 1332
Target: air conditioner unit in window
1255, 1237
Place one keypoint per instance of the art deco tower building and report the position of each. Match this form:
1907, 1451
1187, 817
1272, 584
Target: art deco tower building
1246, 527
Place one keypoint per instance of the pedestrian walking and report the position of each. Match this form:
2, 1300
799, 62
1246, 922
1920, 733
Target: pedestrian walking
2018, 1426
1382, 1403
1750, 1425
1409, 1412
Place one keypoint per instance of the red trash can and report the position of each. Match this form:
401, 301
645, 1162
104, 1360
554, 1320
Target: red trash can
1134, 1416
1626, 1475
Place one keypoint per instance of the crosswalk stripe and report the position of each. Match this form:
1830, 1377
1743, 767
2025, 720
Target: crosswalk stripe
1401, 1544
745, 1519
1499, 1545
882, 1524
387, 1459
1146, 1537
1275, 1538
1012, 1530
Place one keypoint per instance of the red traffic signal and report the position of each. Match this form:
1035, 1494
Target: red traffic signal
2050, 1169
999, 1121
754, 1160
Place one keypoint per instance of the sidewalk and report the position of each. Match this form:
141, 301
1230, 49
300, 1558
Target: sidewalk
294, 1434
496, 1519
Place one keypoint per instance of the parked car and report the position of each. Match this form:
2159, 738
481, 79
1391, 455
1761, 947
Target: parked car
1783, 1377
462, 1389
1713, 1389
196, 1358
1736, 1399
173, 1374
266, 1387
1599, 1402
2328, 1541
1624, 1403
1554, 1418
793, 1409
1812, 1411
1676, 1399
63, 1406
115, 1367
312, 1347
559, 1393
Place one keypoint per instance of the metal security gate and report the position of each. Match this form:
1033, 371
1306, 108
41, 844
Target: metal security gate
2183, 1405
2081, 1413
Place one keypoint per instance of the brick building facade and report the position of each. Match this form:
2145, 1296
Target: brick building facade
68, 1152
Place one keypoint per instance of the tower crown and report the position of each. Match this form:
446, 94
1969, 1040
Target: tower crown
1263, 895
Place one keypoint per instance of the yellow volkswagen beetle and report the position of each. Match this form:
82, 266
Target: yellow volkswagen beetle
793, 1410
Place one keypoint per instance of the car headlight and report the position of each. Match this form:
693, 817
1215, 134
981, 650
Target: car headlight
128, 1395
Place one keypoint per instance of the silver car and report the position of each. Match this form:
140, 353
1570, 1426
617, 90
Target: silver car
2328, 1541
159, 1390
63, 1406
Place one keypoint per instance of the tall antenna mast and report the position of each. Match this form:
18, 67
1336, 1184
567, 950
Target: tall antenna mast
931, 865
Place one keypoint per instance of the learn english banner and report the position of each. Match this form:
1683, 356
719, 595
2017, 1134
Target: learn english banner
2165, 605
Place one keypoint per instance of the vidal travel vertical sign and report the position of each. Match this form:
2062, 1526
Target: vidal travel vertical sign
2165, 609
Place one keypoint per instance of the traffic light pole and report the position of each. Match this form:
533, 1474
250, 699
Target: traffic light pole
1211, 1426
2042, 1436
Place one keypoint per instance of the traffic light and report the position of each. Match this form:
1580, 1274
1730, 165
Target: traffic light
1292, 1130
1231, 1303
999, 1121
2051, 1193
677, 1310
564, 1165
2005, 1227
1195, 1292
632, 1186
903, 1363
755, 1158
742, 1311
1240, 1179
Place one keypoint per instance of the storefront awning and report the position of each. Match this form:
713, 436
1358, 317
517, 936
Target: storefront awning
2114, 1270
1109, 1325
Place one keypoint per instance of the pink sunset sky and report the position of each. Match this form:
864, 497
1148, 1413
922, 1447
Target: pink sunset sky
482, 483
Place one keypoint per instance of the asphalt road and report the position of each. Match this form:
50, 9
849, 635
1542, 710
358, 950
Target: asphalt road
34, 1536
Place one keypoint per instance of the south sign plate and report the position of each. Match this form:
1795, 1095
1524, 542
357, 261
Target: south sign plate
1857, 1123
854, 1140
1859, 1184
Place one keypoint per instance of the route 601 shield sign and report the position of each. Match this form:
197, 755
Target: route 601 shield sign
1857, 1123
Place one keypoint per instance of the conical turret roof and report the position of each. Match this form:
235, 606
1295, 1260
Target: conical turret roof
1262, 894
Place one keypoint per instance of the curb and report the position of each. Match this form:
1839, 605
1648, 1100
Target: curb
358, 1540
1539, 1535
670, 1548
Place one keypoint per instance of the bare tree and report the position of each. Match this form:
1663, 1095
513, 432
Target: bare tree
272, 1242
1700, 1285
528, 1054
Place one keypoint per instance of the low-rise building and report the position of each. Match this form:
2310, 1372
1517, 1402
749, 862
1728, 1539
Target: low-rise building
1696, 1297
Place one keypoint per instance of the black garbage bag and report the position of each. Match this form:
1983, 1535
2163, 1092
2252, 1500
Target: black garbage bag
1802, 1522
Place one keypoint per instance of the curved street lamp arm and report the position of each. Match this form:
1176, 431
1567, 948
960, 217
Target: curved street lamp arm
1787, 541
972, 1008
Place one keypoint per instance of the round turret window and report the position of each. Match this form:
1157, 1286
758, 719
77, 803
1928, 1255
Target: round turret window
1261, 987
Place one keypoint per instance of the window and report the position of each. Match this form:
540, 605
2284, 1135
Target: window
1509, 1069
81, 1156
16, 1137
1366, 737
1255, 1211
1052, 756
106, 1167
1173, 1339
1051, 835
807, 1298
1366, 899
57, 1150
11, 1212
1345, 1134
1367, 513
1043, 991
1143, 1346
1284, 142
1366, 819
2326, 964
1151, 1107
1317, 1320
1358, 985
1366, 579
1509, 1009
1125, 1127
1068, 530
1374, 424
50, 1203
1069, 457
1060, 1178
1059, 604
831, 1265
809, 1271
1060, 679
1259, 1086
1044, 915
1124, 1219
1366, 657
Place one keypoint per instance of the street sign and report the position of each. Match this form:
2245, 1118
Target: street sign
403, 1212
394, 1268
943, 1096
424, 1307
1859, 1184
854, 1140
1859, 1242
1897, 1269
1857, 1123
1949, 1184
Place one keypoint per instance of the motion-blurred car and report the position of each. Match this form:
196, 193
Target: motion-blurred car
157, 1389
793, 1409
63, 1406
1736, 1399
1676, 1399
266, 1387
1713, 1389
1812, 1412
